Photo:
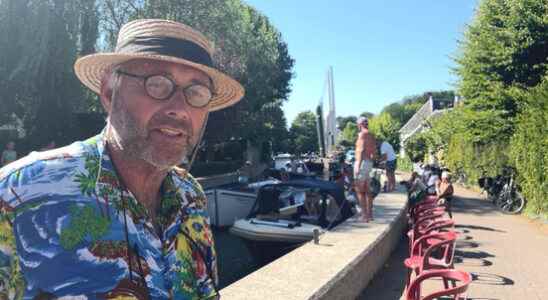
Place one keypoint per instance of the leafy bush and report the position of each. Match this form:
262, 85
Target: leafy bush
404, 163
529, 150
470, 159
385, 127
416, 147
349, 134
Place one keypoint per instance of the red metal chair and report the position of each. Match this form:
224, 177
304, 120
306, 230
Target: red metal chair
459, 289
428, 200
433, 213
433, 226
431, 251
421, 224
423, 206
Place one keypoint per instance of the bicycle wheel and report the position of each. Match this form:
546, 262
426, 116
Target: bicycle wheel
510, 202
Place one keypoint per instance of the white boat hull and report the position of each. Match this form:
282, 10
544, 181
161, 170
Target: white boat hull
225, 206
264, 231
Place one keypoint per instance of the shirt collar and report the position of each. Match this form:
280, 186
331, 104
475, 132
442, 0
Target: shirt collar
109, 186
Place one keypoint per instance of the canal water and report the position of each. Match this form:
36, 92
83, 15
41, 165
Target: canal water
234, 259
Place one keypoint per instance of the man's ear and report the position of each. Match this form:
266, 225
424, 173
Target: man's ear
107, 88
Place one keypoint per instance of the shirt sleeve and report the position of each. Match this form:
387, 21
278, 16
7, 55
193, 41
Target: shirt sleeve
12, 284
200, 231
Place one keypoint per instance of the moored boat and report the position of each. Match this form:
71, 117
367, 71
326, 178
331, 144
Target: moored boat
286, 215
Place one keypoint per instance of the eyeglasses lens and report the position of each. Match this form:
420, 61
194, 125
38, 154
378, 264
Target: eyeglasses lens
159, 87
162, 88
198, 95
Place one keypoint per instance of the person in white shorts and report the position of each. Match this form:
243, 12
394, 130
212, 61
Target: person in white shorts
365, 154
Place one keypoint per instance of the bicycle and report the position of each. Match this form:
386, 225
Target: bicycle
503, 191
510, 200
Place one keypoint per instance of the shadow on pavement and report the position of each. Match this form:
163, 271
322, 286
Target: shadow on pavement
490, 279
475, 227
475, 254
473, 206
473, 262
466, 244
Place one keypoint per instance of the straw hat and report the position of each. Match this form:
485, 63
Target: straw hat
166, 41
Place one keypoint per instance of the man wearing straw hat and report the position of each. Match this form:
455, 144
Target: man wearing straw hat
113, 216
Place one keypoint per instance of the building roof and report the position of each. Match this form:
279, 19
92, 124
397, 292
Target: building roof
418, 120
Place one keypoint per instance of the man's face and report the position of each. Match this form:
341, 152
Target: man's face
160, 132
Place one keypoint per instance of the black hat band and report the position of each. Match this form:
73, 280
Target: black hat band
167, 46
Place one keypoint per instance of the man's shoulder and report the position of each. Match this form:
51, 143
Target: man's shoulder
41, 169
187, 179
190, 188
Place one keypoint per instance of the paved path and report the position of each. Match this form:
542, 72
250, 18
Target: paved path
507, 255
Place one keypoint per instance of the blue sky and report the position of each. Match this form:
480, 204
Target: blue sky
381, 51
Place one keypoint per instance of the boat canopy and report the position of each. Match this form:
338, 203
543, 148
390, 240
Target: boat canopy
268, 197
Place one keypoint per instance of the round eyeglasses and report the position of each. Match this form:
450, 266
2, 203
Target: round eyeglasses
161, 87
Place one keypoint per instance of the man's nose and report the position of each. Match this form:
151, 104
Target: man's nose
178, 107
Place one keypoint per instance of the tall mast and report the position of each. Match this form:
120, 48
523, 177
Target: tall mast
331, 120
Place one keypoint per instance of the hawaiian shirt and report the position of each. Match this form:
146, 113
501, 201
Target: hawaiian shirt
69, 229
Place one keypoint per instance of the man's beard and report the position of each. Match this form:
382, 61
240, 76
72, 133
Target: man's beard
134, 142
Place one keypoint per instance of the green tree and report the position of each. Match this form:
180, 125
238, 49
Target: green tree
528, 149
349, 133
385, 127
37, 61
416, 147
367, 114
303, 133
502, 55
342, 122
503, 52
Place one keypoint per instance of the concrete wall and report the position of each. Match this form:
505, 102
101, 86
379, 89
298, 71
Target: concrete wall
339, 267
354, 278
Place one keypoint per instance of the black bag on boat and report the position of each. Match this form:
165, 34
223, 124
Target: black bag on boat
267, 200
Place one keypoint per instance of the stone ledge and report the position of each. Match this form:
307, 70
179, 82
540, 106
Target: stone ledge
340, 267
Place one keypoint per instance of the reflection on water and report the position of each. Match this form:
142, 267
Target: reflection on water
234, 259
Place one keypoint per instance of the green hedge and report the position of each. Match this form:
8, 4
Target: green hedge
471, 159
405, 164
416, 147
529, 150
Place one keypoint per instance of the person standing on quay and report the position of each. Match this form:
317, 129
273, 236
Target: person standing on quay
388, 156
363, 165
